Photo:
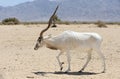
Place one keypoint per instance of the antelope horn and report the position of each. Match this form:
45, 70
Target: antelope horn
49, 23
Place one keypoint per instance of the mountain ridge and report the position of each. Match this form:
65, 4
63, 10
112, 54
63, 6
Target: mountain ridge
70, 10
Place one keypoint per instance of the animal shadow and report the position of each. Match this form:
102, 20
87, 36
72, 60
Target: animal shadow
68, 73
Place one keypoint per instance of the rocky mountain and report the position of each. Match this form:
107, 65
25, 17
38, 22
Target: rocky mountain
72, 10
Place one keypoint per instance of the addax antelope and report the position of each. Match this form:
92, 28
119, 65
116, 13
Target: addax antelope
70, 40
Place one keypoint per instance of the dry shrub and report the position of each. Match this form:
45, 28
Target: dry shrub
10, 21
54, 25
101, 24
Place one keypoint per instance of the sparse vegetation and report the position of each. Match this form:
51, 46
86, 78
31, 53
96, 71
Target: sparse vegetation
55, 19
54, 25
101, 24
14, 21
10, 21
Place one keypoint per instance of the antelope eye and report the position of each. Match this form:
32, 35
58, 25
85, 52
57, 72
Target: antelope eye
39, 39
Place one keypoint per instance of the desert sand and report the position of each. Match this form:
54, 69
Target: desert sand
19, 60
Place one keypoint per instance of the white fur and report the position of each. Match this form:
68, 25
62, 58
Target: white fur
70, 40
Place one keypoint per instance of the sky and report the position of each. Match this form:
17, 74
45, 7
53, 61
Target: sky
6, 3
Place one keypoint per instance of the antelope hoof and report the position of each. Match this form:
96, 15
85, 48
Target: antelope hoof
66, 72
103, 72
62, 63
61, 68
80, 71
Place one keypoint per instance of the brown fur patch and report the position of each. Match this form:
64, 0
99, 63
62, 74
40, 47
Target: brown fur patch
53, 48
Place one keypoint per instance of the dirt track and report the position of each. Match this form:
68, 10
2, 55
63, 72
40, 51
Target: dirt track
18, 60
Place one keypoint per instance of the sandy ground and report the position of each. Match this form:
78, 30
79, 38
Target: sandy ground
18, 60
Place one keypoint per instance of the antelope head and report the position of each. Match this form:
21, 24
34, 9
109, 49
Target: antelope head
40, 39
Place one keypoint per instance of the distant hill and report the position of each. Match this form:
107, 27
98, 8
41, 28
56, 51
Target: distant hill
1, 7
72, 10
